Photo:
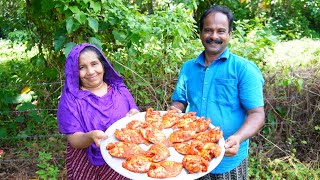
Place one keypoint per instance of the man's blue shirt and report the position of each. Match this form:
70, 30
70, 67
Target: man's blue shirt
223, 92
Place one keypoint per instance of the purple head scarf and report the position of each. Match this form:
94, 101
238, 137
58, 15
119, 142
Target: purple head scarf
83, 111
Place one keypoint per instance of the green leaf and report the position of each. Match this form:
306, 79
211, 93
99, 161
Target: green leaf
300, 85
26, 106
51, 73
21, 98
96, 42
74, 9
69, 25
68, 48
271, 118
3, 132
38, 61
93, 23
58, 43
41, 171
120, 36
80, 17
96, 6
19, 119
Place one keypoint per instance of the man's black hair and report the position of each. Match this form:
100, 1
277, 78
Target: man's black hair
214, 9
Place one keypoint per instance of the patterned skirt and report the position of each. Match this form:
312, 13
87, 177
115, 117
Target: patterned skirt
79, 167
238, 173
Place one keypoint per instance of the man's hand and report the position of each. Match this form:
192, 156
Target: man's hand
232, 145
177, 106
174, 108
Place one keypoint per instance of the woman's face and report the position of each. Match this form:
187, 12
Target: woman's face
90, 70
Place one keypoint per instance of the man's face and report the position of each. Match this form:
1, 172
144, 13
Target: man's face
215, 34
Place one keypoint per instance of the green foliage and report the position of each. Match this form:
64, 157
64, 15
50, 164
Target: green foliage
296, 19
282, 168
13, 21
253, 39
47, 170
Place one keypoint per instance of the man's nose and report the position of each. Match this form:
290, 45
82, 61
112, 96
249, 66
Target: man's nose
214, 35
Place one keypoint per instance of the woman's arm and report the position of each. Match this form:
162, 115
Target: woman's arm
83, 140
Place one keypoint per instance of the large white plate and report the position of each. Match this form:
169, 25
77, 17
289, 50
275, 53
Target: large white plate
116, 163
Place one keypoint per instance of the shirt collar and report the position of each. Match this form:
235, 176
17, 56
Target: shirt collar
223, 56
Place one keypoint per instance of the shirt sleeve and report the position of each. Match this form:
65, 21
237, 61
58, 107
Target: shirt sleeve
251, 86
179, 93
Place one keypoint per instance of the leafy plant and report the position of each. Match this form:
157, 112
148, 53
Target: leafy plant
47, 170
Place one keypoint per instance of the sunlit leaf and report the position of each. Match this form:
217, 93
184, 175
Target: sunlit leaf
96, 6
96, 42
74, 9
68, 48
299, 84
93, 23
25, 90
23, 98
80, 17
69, 25
120, 36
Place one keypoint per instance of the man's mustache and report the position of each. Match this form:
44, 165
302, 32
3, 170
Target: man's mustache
217, 41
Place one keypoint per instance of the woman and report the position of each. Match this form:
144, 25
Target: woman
93, 98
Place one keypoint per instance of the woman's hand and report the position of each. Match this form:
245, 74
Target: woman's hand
132, 112
232, 145
97, 136
83, 140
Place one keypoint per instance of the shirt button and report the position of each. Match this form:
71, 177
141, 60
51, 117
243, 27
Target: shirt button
204, 99
205, 83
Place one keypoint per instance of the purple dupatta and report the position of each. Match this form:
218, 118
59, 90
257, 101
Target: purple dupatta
83, 111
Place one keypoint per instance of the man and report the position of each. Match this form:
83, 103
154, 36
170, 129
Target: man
224, 87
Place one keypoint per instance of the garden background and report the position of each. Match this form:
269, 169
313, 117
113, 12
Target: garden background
147, 41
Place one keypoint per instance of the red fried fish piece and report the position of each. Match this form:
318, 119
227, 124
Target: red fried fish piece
198, 125
195, 163
158, 152
124, 149
140, 164
130, 135
165, 169
212, 135
153, 135
185, 119
169, 119
153, 117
